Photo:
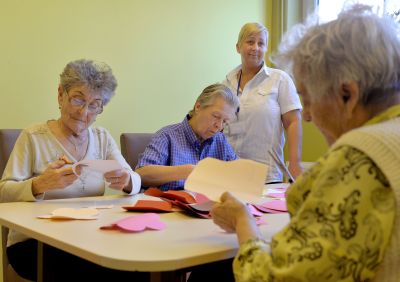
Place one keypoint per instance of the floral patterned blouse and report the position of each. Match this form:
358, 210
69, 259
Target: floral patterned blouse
342, 212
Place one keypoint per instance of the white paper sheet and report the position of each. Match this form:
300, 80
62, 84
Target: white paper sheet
243, 178
102, 166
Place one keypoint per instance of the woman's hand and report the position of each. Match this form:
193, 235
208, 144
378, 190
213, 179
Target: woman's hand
233, 216
56, 176
119, 179
227, 213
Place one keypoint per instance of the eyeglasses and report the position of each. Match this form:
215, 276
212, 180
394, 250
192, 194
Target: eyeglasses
95, 107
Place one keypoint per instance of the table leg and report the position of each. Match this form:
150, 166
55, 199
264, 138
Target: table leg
168, 276
40, 262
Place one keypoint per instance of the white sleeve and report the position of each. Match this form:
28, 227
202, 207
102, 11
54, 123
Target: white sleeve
288, 98
113, 153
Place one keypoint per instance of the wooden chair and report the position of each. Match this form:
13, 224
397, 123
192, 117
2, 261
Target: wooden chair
132, 145
7, 141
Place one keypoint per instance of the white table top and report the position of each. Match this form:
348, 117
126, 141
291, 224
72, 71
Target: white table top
187, 241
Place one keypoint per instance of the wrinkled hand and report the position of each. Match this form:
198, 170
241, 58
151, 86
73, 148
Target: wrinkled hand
228, 212
118, 179
56, 176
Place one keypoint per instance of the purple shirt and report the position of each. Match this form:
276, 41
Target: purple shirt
177, 144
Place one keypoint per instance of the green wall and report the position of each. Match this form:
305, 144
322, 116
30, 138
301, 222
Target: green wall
280, 16
314, 144
163, 54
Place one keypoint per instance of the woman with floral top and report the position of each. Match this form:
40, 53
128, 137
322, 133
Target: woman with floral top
345, 211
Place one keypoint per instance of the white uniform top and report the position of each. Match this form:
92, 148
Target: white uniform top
258, 125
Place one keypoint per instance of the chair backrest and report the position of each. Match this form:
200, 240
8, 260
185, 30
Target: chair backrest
4, 234
7, 141
132, 145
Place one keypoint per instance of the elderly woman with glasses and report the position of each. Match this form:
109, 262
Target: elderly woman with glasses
344, 211
39, 165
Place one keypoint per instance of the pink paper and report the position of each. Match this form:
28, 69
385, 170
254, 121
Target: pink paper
276, 195
260, 221
275, 205
141, 222
200, 198
254, 211
264, 209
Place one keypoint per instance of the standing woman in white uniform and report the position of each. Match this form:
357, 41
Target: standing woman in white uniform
269, 106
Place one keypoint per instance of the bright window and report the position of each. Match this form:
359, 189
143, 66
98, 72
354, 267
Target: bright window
328, 9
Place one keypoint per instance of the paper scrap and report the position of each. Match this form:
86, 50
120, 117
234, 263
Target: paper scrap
71, 213
101, 207
243, 178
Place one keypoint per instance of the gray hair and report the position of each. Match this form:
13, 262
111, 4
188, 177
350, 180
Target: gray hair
250, 29
358, 46
210, 93
97, 76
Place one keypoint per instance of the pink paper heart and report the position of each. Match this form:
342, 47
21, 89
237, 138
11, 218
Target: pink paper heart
138, 223
275, 205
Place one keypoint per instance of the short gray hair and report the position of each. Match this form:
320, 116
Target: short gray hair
210, 93
97, 76
250, 29
358, 46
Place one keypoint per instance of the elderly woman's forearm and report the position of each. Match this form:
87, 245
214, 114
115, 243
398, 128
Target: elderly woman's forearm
246, 228
156, 175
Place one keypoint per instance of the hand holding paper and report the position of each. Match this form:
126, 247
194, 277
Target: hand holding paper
117, 177
243, 178
102, 166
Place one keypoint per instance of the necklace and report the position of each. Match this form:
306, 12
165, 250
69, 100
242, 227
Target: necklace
76, 145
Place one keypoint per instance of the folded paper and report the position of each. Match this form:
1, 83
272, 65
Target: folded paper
182, 196
192, 202
149, 205
102, 166
243, 178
